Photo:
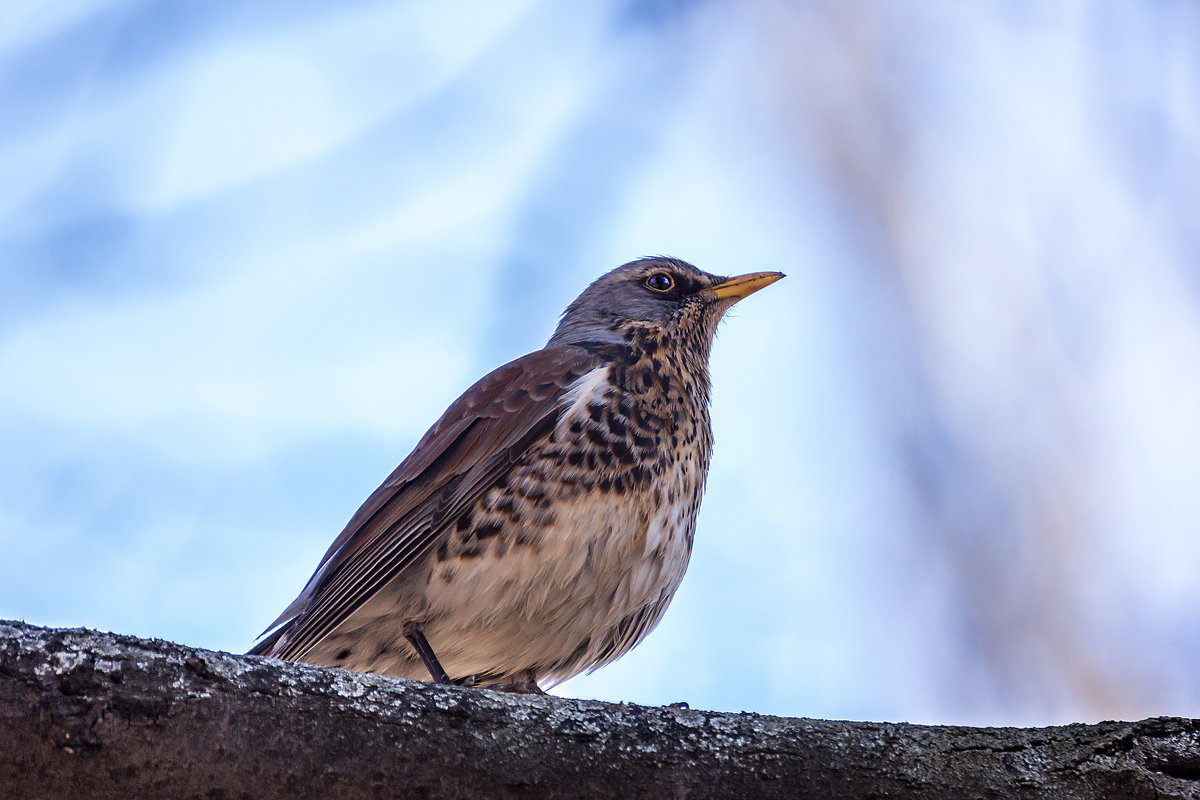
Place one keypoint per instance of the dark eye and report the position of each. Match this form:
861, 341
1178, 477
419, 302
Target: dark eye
660, 282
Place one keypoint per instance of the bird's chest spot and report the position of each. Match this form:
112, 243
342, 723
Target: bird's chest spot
605, 508
630, 425
634, 465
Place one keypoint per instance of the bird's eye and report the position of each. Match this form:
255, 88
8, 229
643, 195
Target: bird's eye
660, 282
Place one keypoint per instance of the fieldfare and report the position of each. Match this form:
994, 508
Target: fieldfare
542, 525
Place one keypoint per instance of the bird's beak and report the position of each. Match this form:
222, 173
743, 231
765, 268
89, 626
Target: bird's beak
742, 285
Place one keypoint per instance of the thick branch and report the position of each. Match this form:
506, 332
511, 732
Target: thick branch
105, 716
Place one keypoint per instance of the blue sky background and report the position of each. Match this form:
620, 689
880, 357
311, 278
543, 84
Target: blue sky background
251, 250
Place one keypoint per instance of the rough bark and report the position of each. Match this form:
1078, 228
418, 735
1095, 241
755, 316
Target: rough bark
104, 716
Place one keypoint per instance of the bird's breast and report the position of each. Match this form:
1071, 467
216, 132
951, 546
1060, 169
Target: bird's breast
591, 527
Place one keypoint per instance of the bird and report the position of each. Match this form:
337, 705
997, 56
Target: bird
543, 524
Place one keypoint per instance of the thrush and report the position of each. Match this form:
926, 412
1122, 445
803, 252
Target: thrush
541, 526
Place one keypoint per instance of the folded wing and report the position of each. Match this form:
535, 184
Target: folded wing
475, 443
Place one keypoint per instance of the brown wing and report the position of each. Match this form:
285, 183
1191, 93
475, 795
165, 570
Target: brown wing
477, 440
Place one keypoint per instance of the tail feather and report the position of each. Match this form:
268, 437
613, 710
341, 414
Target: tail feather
267, 647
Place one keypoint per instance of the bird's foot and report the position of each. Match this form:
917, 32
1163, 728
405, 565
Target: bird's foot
467, 681
517, 687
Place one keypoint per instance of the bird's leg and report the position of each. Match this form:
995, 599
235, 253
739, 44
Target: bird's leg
421, 645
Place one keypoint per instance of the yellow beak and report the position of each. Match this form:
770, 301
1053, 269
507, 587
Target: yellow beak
742, 285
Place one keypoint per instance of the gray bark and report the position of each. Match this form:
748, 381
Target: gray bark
104, 716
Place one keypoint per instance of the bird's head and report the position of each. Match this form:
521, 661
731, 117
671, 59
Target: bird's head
656, 297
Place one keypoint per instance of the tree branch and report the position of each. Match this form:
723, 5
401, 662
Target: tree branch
105, 716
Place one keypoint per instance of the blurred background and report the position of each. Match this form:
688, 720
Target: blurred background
250, 251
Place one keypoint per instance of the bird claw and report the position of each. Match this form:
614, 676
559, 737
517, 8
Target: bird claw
518, 687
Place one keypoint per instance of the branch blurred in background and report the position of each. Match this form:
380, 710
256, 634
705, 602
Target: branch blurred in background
957, 450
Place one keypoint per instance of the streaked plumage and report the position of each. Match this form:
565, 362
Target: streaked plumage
542, 525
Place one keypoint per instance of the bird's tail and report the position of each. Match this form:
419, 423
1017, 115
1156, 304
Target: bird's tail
267, 647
